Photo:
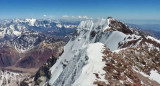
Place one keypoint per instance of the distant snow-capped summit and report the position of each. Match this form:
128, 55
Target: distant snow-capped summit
31, 21
15, 27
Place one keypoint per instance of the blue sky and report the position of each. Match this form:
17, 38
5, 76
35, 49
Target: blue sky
121, 9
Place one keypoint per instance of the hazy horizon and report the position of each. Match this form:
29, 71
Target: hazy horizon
129, 21
130, 11
121, 9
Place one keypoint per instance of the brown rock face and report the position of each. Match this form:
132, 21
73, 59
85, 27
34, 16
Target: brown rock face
39, 55
117, 25
11, 59
8, 56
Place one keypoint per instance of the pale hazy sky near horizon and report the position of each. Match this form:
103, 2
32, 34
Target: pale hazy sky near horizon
121, 9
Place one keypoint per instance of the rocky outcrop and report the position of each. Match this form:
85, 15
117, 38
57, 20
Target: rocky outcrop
8, 78
43, 73
40, 54
30, 50
125, 67
117, 25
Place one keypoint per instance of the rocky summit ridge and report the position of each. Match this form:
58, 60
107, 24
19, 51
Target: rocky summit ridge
107, 52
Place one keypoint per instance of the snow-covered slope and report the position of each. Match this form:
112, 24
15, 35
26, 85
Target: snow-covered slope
83, 53
93, 67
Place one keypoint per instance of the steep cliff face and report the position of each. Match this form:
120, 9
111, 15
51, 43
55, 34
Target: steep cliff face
106, 52
43, 73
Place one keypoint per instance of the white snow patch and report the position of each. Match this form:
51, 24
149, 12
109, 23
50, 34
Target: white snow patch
118, 50
154, 75
17, 33
8, 78
59, 25
121, 81
95, 65
31, 21
149, 37
129, 80
113, 39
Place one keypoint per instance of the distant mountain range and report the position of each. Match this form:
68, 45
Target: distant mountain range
152, 29
26, 44
16, 27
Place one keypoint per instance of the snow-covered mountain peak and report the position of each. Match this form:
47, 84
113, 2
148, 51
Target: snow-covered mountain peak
110, 19
31, 21
104, 31
75, 52
85, 25
105, 25
74, 67
93, 26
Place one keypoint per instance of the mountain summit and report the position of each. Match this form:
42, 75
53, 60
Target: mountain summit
107, 52
117, 25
